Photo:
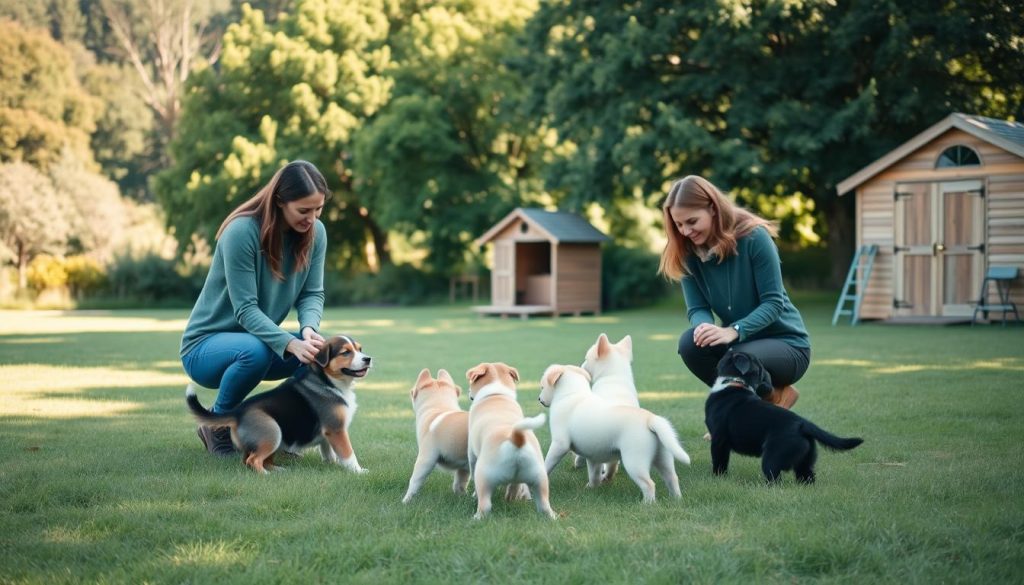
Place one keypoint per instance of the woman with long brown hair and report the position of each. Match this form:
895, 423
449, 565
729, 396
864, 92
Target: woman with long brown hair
269, 258
729, 266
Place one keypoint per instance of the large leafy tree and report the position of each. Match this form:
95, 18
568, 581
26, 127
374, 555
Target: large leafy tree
297, 89
33, 216
400, 103
448, 154
43, 107
766, 98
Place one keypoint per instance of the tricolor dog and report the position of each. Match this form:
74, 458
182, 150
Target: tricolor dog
502, 446
611, 374
442, 431
602, 431
315, 407
739, 420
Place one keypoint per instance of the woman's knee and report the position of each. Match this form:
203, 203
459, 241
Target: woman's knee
687, 348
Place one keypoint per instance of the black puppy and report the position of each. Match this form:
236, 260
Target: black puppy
740, 421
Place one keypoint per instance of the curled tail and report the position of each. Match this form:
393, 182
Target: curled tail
203, 415
667, 435
827, 439
518, 437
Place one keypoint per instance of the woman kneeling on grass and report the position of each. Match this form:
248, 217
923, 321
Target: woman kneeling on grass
269, 257
729, 266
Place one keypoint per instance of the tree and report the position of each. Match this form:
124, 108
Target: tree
43, 107
163, 40
447, 155
297, 89
32, 216
767, 99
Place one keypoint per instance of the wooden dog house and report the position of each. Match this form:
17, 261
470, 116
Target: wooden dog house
942, 208
545, 262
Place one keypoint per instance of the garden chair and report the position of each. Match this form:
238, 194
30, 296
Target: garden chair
1002, 276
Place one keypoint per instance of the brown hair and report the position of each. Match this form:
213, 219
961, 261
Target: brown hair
729, 222
294, 181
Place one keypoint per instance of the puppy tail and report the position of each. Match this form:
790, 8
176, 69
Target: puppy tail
518, 437
667, 435
203, 415
827, 439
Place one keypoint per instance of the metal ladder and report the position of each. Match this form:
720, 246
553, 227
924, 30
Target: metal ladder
852, 283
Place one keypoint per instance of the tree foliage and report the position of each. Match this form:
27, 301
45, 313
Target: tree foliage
43, 107
764, 98
398, 103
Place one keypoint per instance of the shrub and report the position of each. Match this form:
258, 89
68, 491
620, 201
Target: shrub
46, 272
401, 284
629, 278
85, 275
151, 277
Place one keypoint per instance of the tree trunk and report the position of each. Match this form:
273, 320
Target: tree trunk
842, 237
380, 240
22, 267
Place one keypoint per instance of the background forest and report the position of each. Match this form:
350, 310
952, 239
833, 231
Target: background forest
130, 128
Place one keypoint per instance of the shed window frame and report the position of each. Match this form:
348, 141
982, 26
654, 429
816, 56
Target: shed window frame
957, 154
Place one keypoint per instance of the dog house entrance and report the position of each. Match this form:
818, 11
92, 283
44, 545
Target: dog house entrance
533, 273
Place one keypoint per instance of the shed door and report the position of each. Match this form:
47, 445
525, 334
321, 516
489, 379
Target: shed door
939, 251
961, 245
503, 277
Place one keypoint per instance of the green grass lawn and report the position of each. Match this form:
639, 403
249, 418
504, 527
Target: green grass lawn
102, 478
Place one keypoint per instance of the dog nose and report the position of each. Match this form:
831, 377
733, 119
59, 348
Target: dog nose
366, 360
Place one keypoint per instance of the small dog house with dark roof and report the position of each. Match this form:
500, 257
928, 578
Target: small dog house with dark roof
545, 262
943, 209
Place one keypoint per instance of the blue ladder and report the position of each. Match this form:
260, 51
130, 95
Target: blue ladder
852, 284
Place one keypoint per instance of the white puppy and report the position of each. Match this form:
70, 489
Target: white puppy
502, 446
600, 431
611, 374
442, 431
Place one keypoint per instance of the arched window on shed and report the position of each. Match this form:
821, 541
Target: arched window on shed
958, 156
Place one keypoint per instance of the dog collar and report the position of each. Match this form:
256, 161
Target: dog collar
723, 382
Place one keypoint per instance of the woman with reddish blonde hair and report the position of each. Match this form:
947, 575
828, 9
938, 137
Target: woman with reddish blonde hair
729, 267
268, 259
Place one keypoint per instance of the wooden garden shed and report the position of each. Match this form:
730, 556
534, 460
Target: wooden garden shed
545, 262
942, 208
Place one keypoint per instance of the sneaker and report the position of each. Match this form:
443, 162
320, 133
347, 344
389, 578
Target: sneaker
216, 440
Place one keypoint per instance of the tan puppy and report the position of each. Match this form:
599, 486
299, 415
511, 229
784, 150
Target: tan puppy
442, 430
602, 431
502, 446
611, 373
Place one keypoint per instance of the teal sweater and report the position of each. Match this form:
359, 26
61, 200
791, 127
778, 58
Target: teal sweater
242, 295
746, 289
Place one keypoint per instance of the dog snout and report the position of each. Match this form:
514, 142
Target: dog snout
366, 359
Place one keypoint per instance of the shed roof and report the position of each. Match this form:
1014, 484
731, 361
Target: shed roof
559, 226
1002, 133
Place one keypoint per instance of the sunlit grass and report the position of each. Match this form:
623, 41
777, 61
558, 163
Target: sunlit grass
105, 481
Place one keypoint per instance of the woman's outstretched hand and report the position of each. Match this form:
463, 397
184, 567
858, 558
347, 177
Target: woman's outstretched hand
707, 334
306, 349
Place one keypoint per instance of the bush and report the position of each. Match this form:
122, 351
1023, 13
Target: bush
401, 284
85, 275
152, 278
46, 272
629, 278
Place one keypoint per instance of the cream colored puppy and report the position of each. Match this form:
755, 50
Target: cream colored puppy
611, 374
502, 446
442, 431
599, 431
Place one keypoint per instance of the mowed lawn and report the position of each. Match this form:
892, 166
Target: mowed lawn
102, 478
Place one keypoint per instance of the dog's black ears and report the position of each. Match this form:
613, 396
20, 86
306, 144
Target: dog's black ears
764, 386
742, 363
324, 355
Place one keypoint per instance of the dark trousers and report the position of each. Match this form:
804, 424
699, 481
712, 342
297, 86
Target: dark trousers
785, 364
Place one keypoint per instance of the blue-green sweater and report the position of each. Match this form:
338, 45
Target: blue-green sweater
242, 295
746, 289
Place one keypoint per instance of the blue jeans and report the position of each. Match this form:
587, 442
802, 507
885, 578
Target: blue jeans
235, 363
